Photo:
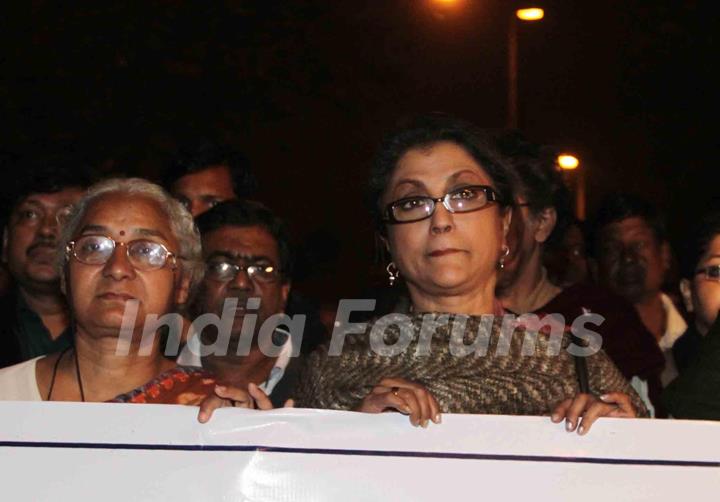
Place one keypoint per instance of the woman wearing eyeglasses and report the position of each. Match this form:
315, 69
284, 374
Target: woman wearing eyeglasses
127, 251
695, 394
441, 198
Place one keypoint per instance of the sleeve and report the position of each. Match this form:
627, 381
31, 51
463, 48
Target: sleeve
606, 377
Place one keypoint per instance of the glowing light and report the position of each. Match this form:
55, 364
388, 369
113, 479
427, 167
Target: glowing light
568, 162
534, 14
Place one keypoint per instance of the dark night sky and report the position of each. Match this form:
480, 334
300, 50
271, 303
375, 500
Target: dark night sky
307, 89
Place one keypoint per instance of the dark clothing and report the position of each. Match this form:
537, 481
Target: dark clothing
626, 341
687, 348
23, 335
285, 389
695, 394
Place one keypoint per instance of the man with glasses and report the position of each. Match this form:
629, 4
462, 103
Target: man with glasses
248, 260
34, 312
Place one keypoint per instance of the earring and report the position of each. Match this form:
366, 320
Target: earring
393, 273
505, 253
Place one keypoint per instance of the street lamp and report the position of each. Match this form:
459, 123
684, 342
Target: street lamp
527, 15
569, 164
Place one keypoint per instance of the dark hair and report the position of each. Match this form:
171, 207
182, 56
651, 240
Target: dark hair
537, 179
248, 213
47, 173
203, 154
618, 207
698, 241
427, 130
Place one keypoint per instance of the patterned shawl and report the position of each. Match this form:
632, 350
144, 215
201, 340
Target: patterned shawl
507, 371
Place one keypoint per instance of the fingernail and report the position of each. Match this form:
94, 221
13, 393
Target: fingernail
555, 418
581, 430
202, 417
221, 388
425, 424
438, 418
569, 426
604, 397
407, 410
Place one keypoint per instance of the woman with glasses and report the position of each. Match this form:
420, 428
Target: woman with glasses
128, 253
441, 200
695, 394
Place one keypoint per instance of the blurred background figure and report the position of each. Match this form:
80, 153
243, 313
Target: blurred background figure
204, 174
695, 394
566, 259
541, 214
33, 309
634, 257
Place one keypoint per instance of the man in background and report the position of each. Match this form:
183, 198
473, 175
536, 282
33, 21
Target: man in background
34, 312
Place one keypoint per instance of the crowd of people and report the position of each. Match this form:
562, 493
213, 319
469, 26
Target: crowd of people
122, 290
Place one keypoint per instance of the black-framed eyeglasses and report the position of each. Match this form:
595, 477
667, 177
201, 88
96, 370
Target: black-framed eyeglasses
462, 200
142, 254
226, 271
711, 272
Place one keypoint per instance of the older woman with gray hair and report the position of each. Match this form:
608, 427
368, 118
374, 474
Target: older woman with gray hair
129, 253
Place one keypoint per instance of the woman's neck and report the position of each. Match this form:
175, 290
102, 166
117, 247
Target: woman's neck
470, 303
106, 374
531, 290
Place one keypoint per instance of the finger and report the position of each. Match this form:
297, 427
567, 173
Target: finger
207, 406
560, 411
575, 411
238, 397
423, 398
290, 403
596, 410
262, 401
623, 402
377, 403
412, 402
435, 409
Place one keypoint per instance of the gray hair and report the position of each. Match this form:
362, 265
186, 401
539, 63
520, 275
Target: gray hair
181, 222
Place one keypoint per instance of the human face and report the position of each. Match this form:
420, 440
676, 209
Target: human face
31, 238
203, 190
99, 293
706, 292
631, 260
240, 245
446, 254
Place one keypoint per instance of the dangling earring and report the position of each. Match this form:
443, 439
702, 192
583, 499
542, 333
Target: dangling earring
393, 273
505, 253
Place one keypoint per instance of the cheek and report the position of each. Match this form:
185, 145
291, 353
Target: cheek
708, 298
406, 242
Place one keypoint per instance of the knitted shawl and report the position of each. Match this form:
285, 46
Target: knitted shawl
469, 365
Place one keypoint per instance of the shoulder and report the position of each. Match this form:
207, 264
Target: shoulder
19, 382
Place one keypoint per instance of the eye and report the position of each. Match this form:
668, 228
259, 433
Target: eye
467, 193
412, 204
28, 214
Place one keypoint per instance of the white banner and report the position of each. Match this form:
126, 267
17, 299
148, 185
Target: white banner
127, 452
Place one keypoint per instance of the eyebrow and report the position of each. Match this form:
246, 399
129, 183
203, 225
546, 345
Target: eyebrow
451, 179
145, 232
230, 255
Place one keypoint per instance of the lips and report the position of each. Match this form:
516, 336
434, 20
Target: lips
111, 296
41, 252
443, 252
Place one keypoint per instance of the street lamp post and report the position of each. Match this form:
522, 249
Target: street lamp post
570, 166
527, 15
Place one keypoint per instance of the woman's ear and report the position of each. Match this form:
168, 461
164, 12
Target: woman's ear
686, 292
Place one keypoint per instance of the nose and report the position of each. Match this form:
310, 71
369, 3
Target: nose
442, 220
49, 225
242, 281
118, 267
628, 255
